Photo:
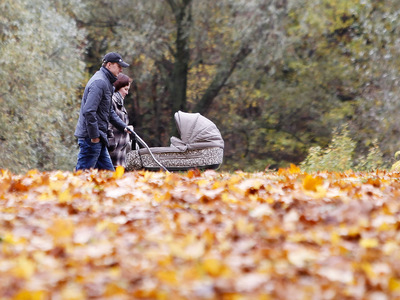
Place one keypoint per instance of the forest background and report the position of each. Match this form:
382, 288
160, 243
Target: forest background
314, 83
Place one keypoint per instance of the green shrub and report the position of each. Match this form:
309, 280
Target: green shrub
373, 161
340, 154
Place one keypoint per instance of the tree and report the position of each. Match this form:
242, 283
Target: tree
171, 42
360, 38
339, 65
275, 76
40, 69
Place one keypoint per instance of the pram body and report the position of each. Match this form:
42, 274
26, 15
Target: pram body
201, 146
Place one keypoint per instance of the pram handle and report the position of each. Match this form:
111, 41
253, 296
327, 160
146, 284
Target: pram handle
147, 147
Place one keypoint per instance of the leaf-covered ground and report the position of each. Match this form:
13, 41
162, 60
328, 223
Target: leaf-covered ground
193, 235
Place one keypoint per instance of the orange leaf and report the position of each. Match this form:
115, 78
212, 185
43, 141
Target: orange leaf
294, 169
311, 183
61, 229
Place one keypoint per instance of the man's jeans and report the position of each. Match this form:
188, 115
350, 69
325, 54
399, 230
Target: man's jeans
93, 155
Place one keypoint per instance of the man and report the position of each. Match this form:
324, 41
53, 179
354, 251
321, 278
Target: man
95, 115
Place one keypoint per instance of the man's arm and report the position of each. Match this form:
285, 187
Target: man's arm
116, 120
89, 111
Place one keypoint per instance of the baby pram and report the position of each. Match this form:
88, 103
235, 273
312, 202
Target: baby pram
201, 146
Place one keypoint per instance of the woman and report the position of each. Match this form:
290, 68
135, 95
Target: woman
119, 142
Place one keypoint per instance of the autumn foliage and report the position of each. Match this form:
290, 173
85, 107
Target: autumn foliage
199, 235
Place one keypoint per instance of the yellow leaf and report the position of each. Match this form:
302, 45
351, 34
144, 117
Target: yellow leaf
59, 175
24, 268
394, 285
335, 238
10, 239
30, 295
164, 260
234, 179
226, 197
45, 197
65, 196
32, 173
162, 295
369, 242
369, 271
107, 225
203, 183
56, 185
212, 266
160, 197
119, 172
167, 277
5, 173
244, 227
115, 272
73, 292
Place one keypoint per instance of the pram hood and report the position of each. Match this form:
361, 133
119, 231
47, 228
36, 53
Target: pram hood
196, 131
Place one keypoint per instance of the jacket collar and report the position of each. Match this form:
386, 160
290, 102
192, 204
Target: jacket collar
109, 75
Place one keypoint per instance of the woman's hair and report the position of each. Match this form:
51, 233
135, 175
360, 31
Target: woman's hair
122, 80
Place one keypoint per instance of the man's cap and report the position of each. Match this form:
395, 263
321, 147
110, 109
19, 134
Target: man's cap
115, 58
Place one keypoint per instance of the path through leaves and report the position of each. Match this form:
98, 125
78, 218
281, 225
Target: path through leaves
199, 235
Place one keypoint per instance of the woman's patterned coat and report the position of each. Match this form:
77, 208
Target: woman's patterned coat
119, 142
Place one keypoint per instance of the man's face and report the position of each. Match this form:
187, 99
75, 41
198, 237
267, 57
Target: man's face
114, 68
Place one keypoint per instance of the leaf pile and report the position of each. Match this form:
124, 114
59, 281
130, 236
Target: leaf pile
193, 235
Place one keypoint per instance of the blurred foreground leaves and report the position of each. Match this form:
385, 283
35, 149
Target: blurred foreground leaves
200, 235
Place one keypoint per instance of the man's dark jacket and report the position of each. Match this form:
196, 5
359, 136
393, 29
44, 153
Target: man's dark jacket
96, 108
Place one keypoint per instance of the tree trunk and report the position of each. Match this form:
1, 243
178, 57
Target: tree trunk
178, 80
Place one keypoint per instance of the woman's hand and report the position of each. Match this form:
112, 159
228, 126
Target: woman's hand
130, 129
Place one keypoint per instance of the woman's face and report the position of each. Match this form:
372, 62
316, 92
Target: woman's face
124, 90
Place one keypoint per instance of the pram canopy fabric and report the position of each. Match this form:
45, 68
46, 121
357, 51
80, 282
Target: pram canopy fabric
196, 131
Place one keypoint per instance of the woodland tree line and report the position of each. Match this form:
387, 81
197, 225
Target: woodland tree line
278, 77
